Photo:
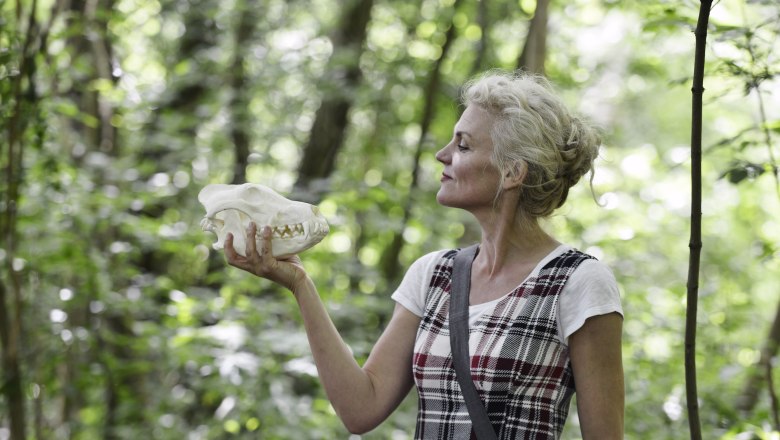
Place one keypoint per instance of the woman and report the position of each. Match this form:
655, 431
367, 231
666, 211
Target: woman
542, 316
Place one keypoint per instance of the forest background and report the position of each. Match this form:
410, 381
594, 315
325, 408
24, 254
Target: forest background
118, 320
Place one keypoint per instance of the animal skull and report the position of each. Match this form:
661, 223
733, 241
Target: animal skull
296, 226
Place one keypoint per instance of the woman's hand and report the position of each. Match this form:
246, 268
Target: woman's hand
288, 272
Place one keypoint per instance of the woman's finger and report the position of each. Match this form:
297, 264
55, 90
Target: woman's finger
262, 262
251, 240
230, 251
265, 250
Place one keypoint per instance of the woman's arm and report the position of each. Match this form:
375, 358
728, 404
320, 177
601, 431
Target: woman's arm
362, 397
596, 358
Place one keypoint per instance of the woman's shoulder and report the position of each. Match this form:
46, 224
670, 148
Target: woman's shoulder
424, 266
590, 290
595, 270
592, 281
585, 270
412, 290
434, 257
585, 263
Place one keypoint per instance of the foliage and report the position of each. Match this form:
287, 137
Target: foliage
132, 326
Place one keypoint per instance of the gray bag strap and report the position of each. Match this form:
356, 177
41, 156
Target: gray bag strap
459, 340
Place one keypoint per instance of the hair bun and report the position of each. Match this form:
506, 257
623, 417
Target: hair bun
579, 151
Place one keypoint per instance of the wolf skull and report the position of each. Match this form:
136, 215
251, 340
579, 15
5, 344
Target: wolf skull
295, 226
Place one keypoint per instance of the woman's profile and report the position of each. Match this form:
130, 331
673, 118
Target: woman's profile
545, 319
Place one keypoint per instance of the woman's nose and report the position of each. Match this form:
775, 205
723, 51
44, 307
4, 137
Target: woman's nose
443, 155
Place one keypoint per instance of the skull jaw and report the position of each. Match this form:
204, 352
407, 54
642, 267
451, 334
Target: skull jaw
287, 239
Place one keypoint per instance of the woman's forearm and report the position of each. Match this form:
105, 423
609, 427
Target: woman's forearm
348, 387
362, 397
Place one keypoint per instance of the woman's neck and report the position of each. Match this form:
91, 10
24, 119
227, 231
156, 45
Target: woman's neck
509, 239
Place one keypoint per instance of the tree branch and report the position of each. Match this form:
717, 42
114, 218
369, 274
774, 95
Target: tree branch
695, 239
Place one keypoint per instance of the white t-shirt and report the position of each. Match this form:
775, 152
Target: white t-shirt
590, 291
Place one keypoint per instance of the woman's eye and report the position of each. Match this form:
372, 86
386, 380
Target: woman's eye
462, 147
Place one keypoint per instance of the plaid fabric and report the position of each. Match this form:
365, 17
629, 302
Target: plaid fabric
519, 366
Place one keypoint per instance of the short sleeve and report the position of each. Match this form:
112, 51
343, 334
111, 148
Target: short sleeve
414, 286
590, 291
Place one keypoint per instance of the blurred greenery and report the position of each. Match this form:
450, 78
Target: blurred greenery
127, 324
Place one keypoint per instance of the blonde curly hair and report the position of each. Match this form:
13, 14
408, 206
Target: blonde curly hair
534, 130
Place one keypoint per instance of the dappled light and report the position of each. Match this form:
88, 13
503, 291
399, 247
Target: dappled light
118, 318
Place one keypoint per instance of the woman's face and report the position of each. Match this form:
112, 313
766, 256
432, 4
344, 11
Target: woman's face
469, 180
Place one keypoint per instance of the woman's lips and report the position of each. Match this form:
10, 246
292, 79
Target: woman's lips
445, 177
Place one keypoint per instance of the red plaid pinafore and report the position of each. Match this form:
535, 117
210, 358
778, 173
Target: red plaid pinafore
518, 363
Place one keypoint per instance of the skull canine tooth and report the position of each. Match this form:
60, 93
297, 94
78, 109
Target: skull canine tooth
230, 208
283, 231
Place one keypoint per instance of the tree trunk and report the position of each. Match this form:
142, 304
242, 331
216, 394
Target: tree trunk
11, 377
239, 100
331, 119
185, 93
91, 45
484, 22
389, 262
749, 397
535, 48
12, 306
124, 386
695, 239
102, 52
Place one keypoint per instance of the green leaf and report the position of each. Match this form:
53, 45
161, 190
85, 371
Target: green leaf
740, 171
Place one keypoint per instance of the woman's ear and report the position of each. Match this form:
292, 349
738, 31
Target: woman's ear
515, 176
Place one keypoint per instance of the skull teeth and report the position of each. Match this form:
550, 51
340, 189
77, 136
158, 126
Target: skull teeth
287, 231
211, 224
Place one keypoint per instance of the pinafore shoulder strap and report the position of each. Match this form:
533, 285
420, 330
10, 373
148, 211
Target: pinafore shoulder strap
459, 340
